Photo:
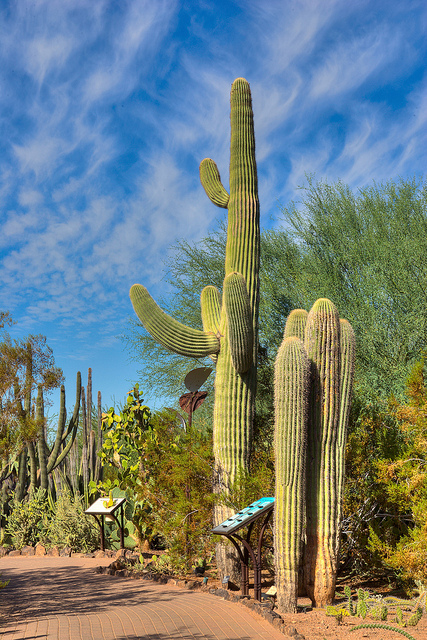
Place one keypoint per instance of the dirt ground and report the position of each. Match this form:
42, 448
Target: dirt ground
316, 625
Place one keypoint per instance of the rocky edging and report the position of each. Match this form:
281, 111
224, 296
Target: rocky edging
55, 552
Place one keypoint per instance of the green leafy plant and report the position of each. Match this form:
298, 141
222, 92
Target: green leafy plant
402, 477
4, 583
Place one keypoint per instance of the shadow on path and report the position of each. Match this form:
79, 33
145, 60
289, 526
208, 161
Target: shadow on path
45, 592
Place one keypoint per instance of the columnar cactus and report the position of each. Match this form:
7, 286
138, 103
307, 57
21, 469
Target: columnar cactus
291, 385
330, 349
86, 467
231, 323
348, 351
322, 342
46, 459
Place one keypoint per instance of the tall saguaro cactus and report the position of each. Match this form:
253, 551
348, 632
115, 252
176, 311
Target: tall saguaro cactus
322, 342
230, 321
291, 385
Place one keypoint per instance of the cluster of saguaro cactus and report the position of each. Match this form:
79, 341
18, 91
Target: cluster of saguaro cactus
313, 382
230, 321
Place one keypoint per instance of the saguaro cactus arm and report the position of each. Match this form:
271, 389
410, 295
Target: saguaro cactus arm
239, 315
211, 182
210, 303
169, 332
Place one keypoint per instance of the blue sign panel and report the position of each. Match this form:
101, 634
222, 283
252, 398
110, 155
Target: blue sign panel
245, 516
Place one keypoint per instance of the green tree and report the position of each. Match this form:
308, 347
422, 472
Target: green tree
366, 251
402, 479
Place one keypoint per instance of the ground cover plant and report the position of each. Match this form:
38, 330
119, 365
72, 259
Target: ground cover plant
62, 523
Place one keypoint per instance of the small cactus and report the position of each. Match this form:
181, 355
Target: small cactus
415, 618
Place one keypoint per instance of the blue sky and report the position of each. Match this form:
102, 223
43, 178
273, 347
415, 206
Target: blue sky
107, 108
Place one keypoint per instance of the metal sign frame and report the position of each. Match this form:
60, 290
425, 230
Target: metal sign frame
247, 517
98, 508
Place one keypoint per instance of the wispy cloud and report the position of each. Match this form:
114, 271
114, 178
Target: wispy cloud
108, 108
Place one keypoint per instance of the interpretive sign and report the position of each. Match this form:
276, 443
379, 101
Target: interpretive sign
103, 508
245, 516
100, 507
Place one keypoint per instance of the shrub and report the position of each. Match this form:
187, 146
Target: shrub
71, 527
28, 521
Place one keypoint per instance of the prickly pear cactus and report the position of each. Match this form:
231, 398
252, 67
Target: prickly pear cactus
230, 321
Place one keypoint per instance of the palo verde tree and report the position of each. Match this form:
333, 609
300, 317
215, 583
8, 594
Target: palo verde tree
366, 252
230, 321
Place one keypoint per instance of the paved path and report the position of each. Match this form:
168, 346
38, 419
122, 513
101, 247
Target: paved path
63, 599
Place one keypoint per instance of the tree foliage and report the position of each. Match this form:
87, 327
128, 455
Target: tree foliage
366, 252
25, 365
402, 478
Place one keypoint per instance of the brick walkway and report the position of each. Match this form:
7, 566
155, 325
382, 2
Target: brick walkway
63, 599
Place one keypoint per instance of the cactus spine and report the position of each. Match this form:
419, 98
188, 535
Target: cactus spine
291, 380
231, 322
330, 348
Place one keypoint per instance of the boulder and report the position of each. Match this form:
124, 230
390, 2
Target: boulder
54, 552
40, 549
